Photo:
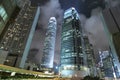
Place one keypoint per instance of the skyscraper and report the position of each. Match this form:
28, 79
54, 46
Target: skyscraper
49, 44
73, 60
90, 56
111, 21
18, 37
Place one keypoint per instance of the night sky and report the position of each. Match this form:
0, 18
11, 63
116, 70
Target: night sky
82, 6
89, 11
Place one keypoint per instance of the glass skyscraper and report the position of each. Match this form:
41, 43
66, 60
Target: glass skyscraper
72, 52
49, 45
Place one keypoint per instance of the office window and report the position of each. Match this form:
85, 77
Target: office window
3, 13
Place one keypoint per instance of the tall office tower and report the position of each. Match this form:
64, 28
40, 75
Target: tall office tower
49, 45
72, 54
18, 37
7, 7
111, 21
90, 56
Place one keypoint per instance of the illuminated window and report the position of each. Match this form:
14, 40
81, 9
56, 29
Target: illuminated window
66, 38
67, 33
73, 55
67, 50
80, 46
68, 20
80, 54
3, 13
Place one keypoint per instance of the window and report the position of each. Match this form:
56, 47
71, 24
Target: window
3, 13
67, 50
66, 38
68, 20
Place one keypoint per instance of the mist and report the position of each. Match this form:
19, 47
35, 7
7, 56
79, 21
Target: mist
94, 29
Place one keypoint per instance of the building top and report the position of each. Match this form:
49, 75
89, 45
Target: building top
52, 19
52, 22
70, 12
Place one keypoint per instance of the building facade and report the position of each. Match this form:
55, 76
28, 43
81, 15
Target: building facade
90, 57
72, 53
3, 55
111, 21
7, 7
18, 37
107, 65
49, 45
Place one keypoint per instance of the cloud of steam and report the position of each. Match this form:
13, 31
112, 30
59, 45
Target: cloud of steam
50, 9
94, 28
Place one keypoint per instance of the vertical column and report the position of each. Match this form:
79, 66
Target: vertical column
29, 40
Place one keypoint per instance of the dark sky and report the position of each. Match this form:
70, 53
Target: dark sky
82, 6
89, 11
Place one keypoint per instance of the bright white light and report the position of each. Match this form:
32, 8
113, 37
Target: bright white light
85, 68
7, 71
56, 67
46, 72
37, 68
13, 73
2, 47
73, 8
52, 19
114, 75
